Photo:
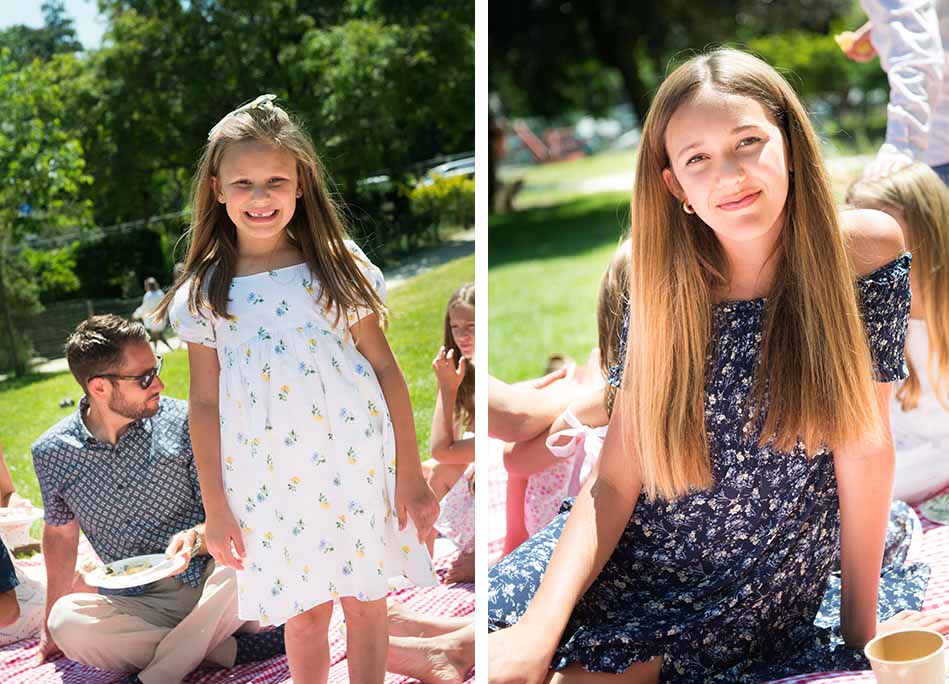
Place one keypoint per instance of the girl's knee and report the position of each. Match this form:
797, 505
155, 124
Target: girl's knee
361, 611
312, 622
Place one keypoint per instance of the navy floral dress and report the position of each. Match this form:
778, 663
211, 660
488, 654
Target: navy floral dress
726, 583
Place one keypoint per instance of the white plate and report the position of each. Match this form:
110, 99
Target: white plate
18, 516
160, 568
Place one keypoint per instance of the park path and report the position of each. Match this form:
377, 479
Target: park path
460, 245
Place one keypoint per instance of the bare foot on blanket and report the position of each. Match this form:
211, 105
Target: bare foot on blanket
406, 623
462, 569
445, 659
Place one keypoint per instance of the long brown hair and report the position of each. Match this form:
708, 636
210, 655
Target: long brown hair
814, 378
315, 229
919, 194
610, 310
464, 402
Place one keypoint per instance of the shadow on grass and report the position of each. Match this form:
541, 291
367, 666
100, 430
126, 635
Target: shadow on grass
573, 227
31, 378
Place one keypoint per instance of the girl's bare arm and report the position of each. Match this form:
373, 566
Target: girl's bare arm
447, 447
204, 420
599, 516
533, 456
865, 487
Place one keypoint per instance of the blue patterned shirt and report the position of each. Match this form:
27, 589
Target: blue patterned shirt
8, 578
129, 498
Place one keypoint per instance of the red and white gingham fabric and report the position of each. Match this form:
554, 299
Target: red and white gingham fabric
16, 660
934, 551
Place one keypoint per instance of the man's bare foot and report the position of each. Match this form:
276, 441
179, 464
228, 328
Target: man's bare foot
462, 569
406, 623
445, 659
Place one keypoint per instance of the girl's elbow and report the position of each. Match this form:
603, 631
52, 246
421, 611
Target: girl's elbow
441, 453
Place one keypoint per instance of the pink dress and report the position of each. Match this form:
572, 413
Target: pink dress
547, 489
456, 519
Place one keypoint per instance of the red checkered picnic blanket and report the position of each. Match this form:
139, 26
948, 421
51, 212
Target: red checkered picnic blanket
934, 551
16, 660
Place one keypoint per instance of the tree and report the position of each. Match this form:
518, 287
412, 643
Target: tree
544, 48
56, 36
40, 193
169, 70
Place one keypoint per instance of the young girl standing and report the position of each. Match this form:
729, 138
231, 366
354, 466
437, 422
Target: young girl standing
748, 440
300, 416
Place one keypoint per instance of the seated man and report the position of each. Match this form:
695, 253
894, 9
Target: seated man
122, 470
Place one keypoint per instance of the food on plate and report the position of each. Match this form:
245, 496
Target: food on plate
131, 569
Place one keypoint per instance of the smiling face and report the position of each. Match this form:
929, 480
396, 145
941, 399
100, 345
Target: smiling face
258, 184
728, 159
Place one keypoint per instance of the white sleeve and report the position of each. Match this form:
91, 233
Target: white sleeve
373, 275
905, 34
197, 328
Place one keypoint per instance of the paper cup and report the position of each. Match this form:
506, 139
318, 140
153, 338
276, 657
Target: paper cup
911, 656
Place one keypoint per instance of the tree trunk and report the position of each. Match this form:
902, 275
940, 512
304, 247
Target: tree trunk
493, 132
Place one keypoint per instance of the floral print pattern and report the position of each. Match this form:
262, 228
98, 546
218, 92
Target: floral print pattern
724, 584
307, 447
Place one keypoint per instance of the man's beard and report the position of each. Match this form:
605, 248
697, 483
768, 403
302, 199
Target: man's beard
119, 405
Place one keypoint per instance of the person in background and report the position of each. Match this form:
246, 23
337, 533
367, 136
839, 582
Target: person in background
150, 301
911, 38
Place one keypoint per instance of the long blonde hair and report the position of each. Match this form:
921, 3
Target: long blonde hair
922, 198
315, 229
814, 378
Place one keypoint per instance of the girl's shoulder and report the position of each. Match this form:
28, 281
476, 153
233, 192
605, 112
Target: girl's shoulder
873, 239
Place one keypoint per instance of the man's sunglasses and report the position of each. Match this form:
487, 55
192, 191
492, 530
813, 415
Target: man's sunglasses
144, 380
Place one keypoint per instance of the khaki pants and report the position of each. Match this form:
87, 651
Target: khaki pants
163, 635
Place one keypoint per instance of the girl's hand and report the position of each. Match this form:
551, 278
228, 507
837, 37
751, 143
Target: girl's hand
937, 620
415, 500
220, 532
449, 377
515, 658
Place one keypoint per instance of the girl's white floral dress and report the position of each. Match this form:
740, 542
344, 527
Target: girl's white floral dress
307, 447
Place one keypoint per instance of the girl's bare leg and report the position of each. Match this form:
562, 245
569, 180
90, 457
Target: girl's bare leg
637, 673
405, 622
514, 512
367, 640
308, 649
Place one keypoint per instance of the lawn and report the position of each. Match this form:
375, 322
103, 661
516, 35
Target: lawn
30, 405
554, 182
545, 267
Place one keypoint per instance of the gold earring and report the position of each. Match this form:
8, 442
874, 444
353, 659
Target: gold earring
687, 208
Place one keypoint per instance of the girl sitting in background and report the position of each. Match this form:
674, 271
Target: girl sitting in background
919, 417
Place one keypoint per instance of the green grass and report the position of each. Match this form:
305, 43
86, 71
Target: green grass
30, 405
555, 182
545, 266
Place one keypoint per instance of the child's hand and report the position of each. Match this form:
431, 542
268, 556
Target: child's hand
936, 620
220, 532
415, 500
448, 376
